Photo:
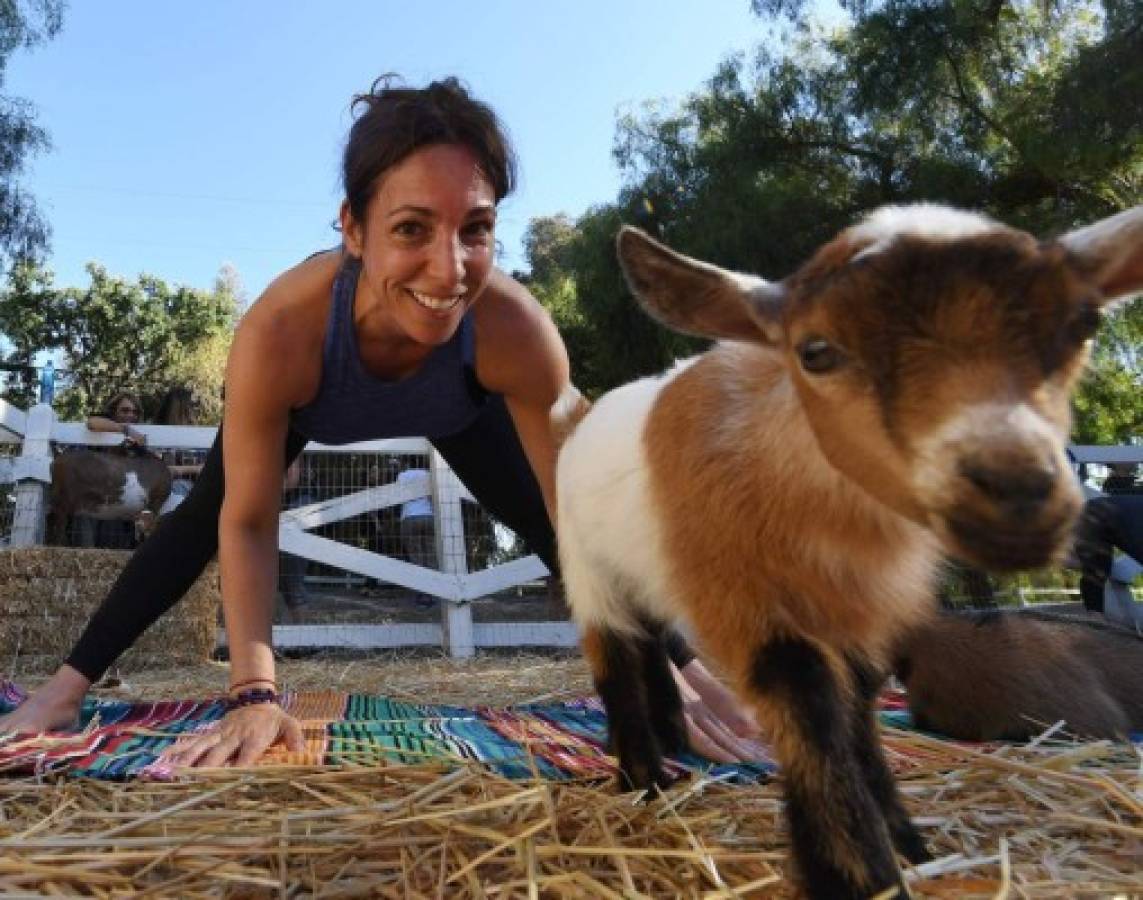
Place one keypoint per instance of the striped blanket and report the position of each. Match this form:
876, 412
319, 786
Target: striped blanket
121, 740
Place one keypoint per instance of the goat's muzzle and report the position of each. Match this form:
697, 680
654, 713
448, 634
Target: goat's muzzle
997, 486
1009, 515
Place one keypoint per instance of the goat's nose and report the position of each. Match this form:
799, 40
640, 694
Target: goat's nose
1020, 488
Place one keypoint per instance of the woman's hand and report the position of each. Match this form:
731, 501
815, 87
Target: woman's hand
240, 738
718, 726
55, 706
134, 437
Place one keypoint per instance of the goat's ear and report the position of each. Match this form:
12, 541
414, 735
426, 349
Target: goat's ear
1112, 251
697, 298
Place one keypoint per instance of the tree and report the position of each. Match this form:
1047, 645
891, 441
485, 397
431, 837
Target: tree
116, 334
24, 330
546, 244
23, 231
1109, 403
1031, 112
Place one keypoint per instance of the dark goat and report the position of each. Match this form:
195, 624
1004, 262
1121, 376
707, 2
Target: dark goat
1009, 675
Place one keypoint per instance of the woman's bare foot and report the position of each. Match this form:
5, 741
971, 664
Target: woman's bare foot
54, 707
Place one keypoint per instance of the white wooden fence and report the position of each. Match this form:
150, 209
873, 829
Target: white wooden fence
29, 472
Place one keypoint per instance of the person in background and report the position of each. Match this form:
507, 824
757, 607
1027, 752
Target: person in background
1110, 521
120, 416
1122, 479
418, 530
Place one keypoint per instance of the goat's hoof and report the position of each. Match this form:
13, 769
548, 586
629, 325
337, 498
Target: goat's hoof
644, 778
912, 847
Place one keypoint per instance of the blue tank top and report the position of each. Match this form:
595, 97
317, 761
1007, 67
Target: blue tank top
439, 399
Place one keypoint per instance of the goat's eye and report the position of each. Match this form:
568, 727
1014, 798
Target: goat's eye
819, 356
1085, 323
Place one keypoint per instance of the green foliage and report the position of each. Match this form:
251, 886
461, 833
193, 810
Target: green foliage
24, 330
1031, 112
1109, 403
23, 231
609, 342
117, 334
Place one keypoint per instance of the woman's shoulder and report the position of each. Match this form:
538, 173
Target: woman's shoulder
297, 301
518, 349
282, 332
508, 310
309, 283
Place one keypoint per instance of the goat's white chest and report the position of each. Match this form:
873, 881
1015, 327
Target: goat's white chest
132, 500
609, 532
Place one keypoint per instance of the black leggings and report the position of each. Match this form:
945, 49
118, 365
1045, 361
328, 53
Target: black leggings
487, 457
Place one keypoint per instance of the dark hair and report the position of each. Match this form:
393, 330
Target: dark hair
113, 404
396, 121
176, 407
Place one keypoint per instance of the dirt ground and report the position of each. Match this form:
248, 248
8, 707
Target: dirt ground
426, 675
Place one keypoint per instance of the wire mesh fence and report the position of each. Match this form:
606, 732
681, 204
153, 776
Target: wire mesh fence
309, 592
312, 592
315, 592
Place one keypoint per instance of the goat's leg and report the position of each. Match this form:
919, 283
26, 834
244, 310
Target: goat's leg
664, 704
57, 528
840, 841
617, 668
870, 756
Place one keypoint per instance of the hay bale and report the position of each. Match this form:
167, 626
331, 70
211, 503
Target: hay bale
47, 595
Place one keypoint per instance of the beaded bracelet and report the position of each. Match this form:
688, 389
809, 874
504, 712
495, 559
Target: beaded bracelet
250, 681
252, 697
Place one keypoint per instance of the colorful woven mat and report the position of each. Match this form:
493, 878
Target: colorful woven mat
120, 740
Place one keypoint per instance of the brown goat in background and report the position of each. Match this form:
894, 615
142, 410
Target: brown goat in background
1009, 675
789, 493
117, 483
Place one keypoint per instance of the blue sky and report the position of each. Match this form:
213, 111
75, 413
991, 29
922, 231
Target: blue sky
188, 136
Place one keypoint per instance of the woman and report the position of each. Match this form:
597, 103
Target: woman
122, 413
383, 337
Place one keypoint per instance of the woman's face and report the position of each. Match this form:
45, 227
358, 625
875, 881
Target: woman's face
427, 241
126, 411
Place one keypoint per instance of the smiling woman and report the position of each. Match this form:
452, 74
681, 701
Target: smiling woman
426, 246
405, 330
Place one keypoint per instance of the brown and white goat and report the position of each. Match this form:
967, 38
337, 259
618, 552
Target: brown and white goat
788, 494
119, 483
106, 486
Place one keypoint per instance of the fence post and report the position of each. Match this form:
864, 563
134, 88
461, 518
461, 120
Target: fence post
457, 616
33, 475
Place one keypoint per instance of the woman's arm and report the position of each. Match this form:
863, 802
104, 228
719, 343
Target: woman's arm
274, 365
253, 437
521, 355
184, 470
110, 426
254, 433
